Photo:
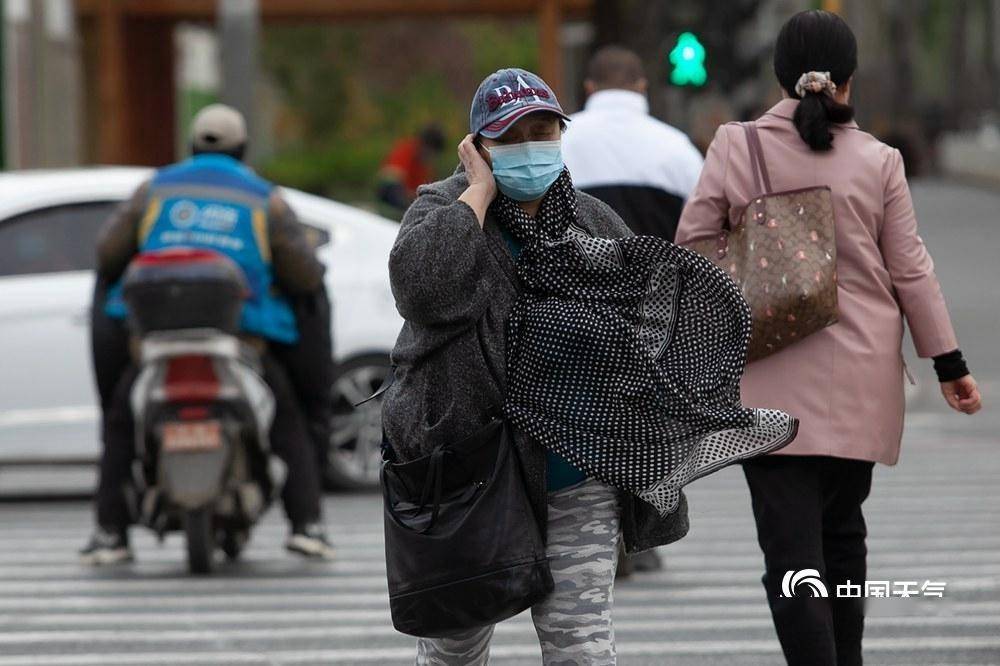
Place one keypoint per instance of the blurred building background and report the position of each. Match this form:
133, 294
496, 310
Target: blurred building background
328, 85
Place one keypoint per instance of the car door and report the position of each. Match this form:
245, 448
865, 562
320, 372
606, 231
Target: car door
48, 407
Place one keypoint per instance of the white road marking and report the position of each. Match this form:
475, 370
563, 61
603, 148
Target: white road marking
166, 560
708, 541
74, 579
527, 651
946, 607
310, 598
519, 625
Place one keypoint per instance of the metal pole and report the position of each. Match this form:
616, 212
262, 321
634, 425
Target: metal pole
114, 126
3, 87
239, 32
17, 94
550, 49
58, 87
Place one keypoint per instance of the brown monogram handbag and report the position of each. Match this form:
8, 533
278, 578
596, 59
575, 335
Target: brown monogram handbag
783, 255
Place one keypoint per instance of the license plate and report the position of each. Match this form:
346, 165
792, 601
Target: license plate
179, 437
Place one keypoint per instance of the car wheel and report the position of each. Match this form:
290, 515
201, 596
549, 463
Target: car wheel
355, 454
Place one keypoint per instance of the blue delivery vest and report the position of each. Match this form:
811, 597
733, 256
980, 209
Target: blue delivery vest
214, 202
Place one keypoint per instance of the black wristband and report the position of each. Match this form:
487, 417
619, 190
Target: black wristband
950, 366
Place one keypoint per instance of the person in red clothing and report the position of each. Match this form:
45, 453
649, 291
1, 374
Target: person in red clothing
408, 166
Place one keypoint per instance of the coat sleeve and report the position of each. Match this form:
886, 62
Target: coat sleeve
118, 239
708, 207
438, 264
293, 258
911, 268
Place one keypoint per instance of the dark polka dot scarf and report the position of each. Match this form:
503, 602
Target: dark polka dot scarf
625, 355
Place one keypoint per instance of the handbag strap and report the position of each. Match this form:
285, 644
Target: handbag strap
431, 492
387, 381
433, 485
761, 178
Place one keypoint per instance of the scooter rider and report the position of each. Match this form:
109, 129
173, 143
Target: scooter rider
230, 210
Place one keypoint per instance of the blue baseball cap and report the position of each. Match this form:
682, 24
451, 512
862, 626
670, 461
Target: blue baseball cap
507, 95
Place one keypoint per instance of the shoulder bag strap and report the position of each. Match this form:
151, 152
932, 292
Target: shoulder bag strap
757, 187
757, 158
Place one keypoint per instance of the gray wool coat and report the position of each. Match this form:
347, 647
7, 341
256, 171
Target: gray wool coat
455, 286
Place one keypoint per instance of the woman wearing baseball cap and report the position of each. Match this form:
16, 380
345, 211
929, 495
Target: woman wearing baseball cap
525, 297
453, 276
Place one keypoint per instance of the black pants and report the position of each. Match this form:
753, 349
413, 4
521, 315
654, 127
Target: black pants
309, 363
109, 351
808, 514
289, 438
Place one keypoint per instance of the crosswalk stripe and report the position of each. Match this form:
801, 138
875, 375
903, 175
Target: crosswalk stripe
895, 527
528, 651
677, 557
707, 540
311, 598
727, 498
45, 581
521, 625
249, 600
139, 617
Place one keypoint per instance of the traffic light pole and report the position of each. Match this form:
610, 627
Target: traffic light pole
239, 32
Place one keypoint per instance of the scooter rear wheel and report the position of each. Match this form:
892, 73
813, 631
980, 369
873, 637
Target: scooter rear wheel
200, 539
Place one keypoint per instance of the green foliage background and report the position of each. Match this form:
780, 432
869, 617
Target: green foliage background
348, 92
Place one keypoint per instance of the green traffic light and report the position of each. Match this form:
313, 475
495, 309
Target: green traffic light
688, 59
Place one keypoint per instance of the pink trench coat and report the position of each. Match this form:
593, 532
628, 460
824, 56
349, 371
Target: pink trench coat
845, 383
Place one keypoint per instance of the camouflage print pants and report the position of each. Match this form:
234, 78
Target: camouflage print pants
574, 622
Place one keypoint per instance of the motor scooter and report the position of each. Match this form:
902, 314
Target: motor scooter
201, 408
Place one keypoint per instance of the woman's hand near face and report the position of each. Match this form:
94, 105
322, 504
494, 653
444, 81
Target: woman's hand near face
482, 187
962, 395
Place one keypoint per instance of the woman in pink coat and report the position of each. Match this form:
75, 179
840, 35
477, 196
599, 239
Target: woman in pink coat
844, 383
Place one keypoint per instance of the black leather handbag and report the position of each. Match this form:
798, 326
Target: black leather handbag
462, 545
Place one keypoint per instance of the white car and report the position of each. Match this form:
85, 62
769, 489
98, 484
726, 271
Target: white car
48, 405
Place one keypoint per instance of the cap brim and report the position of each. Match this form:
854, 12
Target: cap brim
497, 128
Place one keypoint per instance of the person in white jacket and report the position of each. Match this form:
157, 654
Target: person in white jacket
643, 168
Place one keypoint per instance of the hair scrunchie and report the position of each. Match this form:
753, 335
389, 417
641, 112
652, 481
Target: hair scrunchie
815, 82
